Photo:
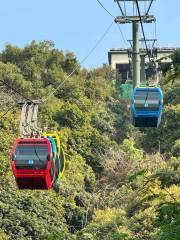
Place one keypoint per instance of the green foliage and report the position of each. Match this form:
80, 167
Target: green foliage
29, 216
167, 134
176, 148
71, 116
10, 74
70, 63
122, 120
169, 221
117, 185
106, 225
176, 58
128, 146
3, 236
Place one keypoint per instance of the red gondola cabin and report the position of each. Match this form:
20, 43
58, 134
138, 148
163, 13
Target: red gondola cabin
32, 163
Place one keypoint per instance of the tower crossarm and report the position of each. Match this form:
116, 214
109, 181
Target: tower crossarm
130, 19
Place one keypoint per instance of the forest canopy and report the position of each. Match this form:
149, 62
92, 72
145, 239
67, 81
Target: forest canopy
120, 183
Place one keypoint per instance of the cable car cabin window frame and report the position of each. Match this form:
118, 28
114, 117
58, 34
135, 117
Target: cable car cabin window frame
52, 171
57, 163
38, 162
62, 160
149, 97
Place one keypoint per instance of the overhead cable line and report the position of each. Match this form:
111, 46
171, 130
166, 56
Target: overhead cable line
149, 7
120, 8
125, 7
122, 35
155, 31
120, 30
14, 90
144, 37
105, 9
82, 61
8, 110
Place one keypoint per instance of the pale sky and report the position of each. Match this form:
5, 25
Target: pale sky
77, 25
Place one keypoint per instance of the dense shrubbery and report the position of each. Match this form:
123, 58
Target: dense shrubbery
112, 189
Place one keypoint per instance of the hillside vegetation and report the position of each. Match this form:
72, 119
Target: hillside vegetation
120, 183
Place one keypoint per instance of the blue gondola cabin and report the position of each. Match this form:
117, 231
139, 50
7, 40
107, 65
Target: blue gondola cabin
146, 106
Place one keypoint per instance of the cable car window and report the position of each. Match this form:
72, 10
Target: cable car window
148, 93
31, 157
147, 100
140, 95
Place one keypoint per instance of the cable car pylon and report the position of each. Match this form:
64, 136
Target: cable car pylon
146, 98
